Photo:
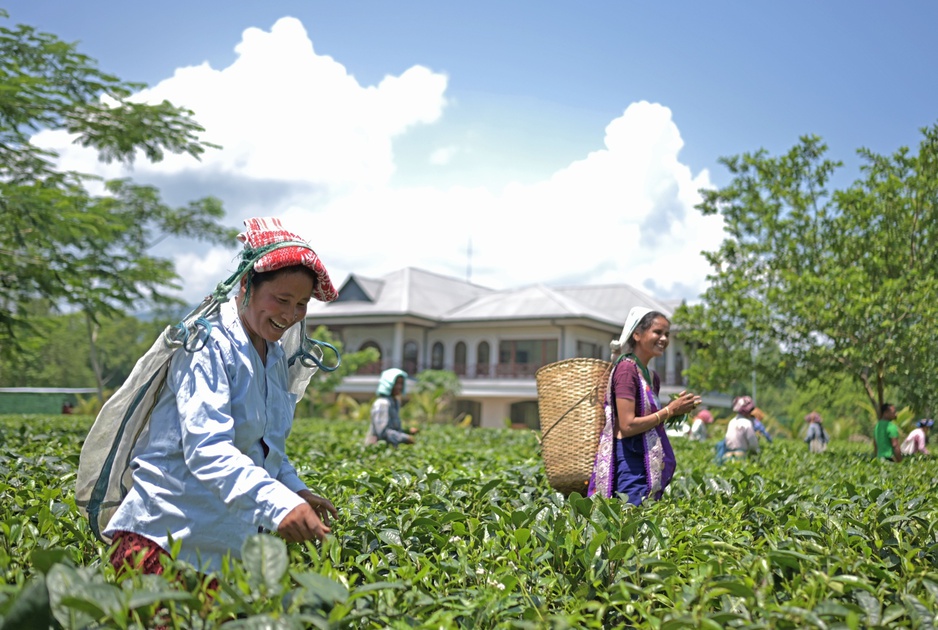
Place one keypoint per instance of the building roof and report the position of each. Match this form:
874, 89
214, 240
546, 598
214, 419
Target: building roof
616, 300
408, 291
412, 291
533, 302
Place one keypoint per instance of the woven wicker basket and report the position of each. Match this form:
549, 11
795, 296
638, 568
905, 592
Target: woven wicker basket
570, 396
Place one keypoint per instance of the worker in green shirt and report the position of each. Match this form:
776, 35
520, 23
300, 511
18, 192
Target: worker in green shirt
886, 434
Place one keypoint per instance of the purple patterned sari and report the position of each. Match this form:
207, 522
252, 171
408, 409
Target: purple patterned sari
659, 457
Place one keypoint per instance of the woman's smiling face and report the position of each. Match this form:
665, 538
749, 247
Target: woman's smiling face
653, 341
274, 305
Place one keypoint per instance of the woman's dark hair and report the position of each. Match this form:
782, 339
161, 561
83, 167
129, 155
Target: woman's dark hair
644, 324
255, 279
260, 278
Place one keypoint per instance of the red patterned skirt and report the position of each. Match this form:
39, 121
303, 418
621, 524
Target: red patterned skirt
138, 552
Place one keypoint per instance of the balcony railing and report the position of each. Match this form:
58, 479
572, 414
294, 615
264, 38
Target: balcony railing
486, 370
468, 371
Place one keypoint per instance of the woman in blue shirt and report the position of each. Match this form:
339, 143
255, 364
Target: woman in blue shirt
211, 468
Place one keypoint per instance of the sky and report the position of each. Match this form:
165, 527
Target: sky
507, 143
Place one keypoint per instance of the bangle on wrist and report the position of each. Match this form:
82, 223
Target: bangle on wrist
668, 409
657, 418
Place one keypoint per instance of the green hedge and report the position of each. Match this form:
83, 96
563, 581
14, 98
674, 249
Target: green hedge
39, 403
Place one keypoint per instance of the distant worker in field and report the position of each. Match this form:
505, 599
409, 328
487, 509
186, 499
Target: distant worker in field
757, 417
386, 411
634, 458
915, 442
741, 440
816, 438
698, 429
886, 435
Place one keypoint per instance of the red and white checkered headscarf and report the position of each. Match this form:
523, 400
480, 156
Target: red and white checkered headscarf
263, 231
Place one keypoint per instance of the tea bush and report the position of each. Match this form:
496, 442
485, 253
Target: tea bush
463, 530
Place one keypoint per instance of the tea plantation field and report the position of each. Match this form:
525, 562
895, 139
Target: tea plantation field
463, 530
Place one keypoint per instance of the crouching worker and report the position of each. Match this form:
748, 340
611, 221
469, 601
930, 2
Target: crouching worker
212, 468
740, 440
386, 411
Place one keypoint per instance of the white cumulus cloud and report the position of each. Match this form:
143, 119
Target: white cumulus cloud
443, 156
622, 214
297, 126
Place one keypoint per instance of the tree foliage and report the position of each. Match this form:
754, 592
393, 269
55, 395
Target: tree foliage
324, 383
52, 353
58, 242
432, 397
811, 283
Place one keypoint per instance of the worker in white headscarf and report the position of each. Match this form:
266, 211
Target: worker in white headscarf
634, 458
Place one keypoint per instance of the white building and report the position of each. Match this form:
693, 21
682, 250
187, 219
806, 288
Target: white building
494, 340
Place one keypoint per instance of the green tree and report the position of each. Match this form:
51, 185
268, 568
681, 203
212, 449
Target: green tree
48, 355
810, 284
432, 397
325, 383
347, 407
59, 242
839, 398
116, 270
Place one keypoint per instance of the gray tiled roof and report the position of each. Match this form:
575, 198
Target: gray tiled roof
408, 291
615, 300
533, 302
412, 291
371, 287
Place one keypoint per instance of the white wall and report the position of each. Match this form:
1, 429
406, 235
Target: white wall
495, 395
494, 412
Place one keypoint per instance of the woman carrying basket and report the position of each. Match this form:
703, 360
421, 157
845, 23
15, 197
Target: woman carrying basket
212, 469
635, 458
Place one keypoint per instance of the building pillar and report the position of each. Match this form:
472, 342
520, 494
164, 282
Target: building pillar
471, 358
397, 349
493, 357
669, 376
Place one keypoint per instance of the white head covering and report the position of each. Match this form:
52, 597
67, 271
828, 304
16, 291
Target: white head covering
635, 316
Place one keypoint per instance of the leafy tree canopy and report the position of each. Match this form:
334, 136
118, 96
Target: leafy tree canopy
812, 283
433, 396
48, 355
57, 241
325, 383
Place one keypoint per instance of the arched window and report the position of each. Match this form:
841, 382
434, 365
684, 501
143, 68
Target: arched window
482, 359
374, 367
436, 356
459, 358
524, 414
410, 357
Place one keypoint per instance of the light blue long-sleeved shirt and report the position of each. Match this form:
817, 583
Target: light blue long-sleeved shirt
200, 473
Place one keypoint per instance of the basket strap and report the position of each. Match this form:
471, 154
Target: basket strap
610, 387
592, 394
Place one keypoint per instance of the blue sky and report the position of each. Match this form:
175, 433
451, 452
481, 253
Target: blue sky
566, 141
